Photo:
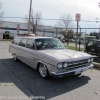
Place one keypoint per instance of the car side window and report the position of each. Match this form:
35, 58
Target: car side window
90, 43
23, 42
16, 41
30, 44
98, 42
95, 43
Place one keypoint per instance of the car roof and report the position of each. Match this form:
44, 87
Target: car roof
35, 37
95, 39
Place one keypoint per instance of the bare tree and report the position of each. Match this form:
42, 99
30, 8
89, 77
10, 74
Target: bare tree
65, 21
1, 14
35, 20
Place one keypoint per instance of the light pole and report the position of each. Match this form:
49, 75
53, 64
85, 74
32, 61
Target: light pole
29, 16
99, 26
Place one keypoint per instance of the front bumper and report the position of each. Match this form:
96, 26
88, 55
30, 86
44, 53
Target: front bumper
72, 72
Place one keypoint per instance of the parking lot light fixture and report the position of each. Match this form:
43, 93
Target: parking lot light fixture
97, 20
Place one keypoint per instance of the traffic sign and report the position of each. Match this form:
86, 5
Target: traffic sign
78, 17
18, 27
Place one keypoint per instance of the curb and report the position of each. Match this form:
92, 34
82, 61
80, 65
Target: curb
96, 65
5, 40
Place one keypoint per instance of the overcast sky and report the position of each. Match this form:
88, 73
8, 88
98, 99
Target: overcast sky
53, 9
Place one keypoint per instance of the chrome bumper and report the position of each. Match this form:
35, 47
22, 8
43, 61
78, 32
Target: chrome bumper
72, 72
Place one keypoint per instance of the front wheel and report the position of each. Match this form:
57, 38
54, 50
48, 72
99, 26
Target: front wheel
78, 75
98, 54
43, 71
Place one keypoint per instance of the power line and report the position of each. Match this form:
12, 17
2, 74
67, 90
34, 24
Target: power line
33, 4
45, 5
77, 8
49, 19
15, 4
65, 4
83, 1
39, 5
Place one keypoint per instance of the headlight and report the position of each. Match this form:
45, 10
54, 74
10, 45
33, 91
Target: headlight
89, 60
60, 66
65, 65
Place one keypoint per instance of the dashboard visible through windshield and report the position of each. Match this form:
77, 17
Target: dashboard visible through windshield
48, 43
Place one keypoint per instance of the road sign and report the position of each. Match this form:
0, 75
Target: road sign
18, 27
78, 17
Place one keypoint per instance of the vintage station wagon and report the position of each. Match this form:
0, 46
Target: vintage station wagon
49, 56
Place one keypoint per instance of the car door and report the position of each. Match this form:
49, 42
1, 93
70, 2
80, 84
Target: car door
98, 48
30, 53
22, 52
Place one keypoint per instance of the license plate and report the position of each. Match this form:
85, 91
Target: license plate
92, 49
77, 72
85, 69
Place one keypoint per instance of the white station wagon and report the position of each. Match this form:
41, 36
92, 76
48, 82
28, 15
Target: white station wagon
49, 56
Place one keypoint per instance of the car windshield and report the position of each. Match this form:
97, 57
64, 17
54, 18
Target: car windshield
48, 43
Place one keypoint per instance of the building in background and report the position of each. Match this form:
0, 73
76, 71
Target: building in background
14, 29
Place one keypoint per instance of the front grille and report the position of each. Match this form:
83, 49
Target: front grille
77, 64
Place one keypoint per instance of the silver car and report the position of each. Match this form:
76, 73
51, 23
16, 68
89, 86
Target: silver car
49, 56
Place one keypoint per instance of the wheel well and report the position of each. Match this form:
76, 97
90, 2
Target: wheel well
48, 74
38, 65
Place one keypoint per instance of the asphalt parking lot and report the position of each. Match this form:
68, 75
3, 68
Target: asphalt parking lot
20, 82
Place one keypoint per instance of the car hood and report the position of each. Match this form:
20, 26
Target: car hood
64, 54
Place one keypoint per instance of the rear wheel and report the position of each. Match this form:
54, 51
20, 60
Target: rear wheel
43, 71
15, 57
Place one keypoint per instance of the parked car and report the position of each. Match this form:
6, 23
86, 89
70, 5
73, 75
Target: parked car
93, 47
11, 37
72, 40
49, 56
65, 40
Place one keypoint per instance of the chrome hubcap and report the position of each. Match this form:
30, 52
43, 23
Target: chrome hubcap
14, 56
43, 70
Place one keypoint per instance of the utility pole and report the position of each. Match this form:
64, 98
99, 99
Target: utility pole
29, 16
97, 20
99, 26
77, 35
99, 32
